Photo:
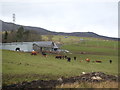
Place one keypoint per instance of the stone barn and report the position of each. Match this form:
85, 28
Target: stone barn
45, 46
29, 46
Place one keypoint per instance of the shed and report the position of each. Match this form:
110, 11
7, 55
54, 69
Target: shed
45, 45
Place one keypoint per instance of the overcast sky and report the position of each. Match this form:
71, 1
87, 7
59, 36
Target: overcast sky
98, 16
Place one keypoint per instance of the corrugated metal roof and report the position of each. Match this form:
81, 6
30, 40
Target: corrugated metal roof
46, 44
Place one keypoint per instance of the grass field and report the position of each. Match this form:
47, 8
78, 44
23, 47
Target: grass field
20, 66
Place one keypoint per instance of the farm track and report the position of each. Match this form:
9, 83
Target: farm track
88, 77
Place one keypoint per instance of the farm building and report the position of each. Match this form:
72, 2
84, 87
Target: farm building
29, 46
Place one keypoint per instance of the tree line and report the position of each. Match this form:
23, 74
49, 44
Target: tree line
22, 35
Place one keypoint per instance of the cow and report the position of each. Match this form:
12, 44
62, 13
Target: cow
98, 61
74, 58
58, 57
87, 60
65, 57
44, 54
61, 57
68, 59
110, 61
33, 53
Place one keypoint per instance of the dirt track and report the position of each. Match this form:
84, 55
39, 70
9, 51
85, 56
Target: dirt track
88, 77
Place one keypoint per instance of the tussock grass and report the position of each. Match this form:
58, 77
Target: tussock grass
106, 84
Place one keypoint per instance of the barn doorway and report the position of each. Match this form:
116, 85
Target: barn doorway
55, 49
17, 49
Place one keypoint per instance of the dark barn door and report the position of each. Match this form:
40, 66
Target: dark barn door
37, 48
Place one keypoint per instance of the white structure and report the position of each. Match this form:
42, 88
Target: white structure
29, 46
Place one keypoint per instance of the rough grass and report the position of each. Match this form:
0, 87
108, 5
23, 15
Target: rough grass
19, 66
106, 84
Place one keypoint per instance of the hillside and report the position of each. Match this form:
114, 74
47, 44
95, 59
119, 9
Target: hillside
9, 26
21, 66
25, 70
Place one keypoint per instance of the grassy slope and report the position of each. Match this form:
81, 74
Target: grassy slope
39, 67
19, 66
106, 84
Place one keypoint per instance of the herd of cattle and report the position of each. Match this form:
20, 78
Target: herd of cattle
69, 58
64, 57
74, 58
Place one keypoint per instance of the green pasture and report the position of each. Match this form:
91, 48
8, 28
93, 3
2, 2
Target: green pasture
84, 41
20, 66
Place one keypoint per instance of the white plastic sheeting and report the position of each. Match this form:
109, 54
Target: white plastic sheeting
27, 46
24, 46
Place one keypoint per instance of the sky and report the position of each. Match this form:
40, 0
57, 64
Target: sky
98, 16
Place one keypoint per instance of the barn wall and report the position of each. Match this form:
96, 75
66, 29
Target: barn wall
26, 47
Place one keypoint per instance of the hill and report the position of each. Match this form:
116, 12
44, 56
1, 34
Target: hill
7, 26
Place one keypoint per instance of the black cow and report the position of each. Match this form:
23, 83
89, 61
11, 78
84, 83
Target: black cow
65, 57
74, 58
58, 57
110, 61
44, 54
68, 59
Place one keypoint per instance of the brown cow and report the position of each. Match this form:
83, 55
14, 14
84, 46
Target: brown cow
98, 61
87, 60
33, 53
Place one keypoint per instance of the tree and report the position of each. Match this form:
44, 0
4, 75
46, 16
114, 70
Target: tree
12, 36
20, 33
5, 36
26, 35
